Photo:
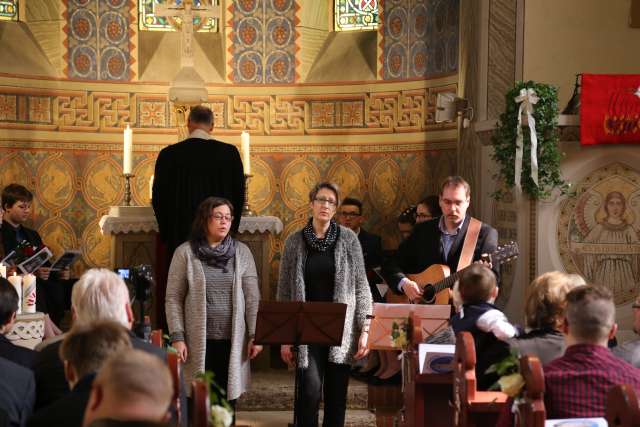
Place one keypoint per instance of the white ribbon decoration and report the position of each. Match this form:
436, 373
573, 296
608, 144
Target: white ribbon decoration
527, 99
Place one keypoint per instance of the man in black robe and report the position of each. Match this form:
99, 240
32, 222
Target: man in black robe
188, 172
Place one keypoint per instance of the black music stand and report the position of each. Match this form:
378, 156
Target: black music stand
300, 323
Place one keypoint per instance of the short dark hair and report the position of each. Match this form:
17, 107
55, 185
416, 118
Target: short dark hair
476, 284
455, 181
201, 114
590, 312
9, 301
88, 346
432, 203
13, 193
329, 186
352, 201
201, 219
408, 216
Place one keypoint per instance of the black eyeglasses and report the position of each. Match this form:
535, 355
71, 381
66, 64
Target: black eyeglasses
349, 214
635, 305
322, 201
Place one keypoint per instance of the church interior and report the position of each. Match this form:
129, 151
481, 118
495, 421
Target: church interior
327, 90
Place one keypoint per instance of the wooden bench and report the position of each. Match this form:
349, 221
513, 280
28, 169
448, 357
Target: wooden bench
531, 411
472, 407
201, 405
156, 338
622, 407
175, 367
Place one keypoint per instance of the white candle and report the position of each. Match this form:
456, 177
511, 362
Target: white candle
128, 150
151, 187
244, 150
3, 271
16, 281
29, 293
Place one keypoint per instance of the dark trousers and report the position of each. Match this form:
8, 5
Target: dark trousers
216, 360
322, 378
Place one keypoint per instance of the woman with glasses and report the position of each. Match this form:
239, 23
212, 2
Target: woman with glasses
212, 300
324, 262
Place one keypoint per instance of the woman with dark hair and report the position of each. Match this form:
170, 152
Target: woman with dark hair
212, 300
428, 208
324, 262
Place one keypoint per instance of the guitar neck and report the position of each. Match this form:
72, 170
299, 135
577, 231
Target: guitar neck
448, 281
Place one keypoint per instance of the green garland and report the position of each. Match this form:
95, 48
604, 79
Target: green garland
545, 113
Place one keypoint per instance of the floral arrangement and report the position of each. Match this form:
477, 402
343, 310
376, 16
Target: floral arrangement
548, 155
511, 381
221, 411
400, 334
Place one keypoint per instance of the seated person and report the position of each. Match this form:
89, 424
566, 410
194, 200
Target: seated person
53, 288
545, 303
488, 325
630, 350
17, 394
84, 349
100, 294
8, 307
350, 216
428, 208
131, 387
406, 221
576, 384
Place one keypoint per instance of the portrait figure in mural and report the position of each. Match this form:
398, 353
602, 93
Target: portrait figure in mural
609, 255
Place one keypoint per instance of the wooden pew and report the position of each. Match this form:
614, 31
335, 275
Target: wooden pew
201, 405
156, 338
622, 407
175, 367
531, 412
472, 407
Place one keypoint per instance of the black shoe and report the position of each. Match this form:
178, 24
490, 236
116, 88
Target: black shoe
395, 379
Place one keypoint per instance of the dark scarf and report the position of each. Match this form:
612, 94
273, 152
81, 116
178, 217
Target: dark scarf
217, 257
320, 245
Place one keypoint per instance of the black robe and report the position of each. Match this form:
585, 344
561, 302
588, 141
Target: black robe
188, 172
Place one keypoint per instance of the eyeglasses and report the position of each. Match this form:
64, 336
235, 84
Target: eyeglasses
424, 215
635, 305
322, 201
349, 214
220, 217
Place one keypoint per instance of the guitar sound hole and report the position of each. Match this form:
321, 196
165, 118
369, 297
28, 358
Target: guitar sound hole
429, 293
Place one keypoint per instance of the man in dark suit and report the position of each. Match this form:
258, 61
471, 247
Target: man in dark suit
17, 393
8, 308
350, 216
439, 241
99, 294
83, 351
188, 172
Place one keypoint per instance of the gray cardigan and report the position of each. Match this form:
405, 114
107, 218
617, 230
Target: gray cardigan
186, 309
351, 288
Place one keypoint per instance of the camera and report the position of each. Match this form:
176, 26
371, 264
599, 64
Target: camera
139, 280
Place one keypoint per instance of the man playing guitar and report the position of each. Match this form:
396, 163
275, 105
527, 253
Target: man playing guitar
439, 241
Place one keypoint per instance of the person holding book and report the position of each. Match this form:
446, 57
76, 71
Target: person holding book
53, 290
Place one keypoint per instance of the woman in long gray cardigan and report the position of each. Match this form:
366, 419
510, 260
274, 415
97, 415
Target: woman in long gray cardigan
324, 262
212, 300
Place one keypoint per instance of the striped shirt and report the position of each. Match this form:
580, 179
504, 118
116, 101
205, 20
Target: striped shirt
576, 384
219, 300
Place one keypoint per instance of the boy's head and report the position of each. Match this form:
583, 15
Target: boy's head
16, 203
477, 284
8, 305
590, 315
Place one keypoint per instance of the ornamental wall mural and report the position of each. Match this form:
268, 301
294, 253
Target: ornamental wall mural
599, 229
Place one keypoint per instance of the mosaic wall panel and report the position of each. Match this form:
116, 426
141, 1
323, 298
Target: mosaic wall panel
74, 187
332, 113
419, 38
263, 41
355, 15
8, 10
98, 39
599, 229
149, 21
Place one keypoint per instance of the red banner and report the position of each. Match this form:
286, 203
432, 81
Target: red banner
610, 109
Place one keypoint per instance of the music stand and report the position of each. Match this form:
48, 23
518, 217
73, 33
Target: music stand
299, 323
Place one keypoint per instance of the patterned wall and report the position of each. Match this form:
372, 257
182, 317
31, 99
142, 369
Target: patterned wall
419, 38
263, 41
98, 44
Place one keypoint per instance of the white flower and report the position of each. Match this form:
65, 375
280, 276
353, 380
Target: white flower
220, 416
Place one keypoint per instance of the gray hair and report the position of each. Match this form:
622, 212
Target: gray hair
100, 294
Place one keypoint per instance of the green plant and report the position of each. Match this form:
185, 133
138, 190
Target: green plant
221, 410
545, 113
508, 369
399, 334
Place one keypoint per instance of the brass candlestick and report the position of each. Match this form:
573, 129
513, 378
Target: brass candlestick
127, 188
246, 210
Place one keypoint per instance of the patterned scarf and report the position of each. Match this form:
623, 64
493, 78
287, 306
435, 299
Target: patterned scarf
217, 257
320, 245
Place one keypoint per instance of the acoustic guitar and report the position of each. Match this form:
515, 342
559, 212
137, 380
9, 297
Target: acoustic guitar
436, 280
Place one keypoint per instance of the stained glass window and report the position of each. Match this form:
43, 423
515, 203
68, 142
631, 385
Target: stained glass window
149, 21
8, 10
356, 15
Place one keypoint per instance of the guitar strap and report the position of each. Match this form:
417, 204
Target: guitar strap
469, 245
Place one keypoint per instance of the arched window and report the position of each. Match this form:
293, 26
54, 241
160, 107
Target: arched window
151, 22
8, 10
355, 15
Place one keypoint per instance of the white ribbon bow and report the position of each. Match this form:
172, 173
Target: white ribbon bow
526, 99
